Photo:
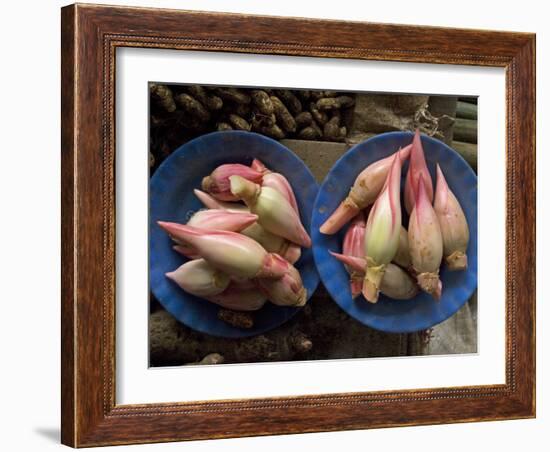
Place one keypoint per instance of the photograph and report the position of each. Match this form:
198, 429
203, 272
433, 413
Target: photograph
286, 224
291, 224
275, 226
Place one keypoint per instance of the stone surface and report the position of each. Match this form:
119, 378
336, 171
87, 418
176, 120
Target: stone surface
377, 113
322, 330
385, 112
458, 334
319, 331
444, 109
319, 156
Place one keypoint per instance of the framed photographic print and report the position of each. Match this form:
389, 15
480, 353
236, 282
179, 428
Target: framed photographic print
282, 225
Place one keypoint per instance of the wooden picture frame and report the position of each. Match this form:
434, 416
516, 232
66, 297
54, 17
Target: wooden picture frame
90, 36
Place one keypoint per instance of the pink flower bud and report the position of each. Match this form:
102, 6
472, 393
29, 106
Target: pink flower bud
215, 219
403, 255
280, 183
396, 282
217, 184
417, 170
355, 263
243, 283
274, 212
382, 231
232, 253
273, 243
199, 278
353, 245
276, 181
258, 165
365, 189
354, 239
292, 252
453, 224
285, 291
426, 243
222, 219
356, 267
239, 299
188, 251
213, 203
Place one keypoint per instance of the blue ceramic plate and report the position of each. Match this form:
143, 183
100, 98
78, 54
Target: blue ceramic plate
395, 316
171, 199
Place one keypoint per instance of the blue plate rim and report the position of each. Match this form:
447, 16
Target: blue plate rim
290, 311
317, 257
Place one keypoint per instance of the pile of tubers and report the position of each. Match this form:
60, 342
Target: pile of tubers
277, 113
243, 246
379, 253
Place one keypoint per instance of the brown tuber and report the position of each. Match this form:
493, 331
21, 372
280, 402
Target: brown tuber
210, 101
300, 342
164, 96
317, 128
238, 122
212, 358
320, 116
233, 95
284, 118
316, 95
193, 107
222, 126
242, 110
236, 319
191, 122
310, 133
259, 120
304, 94
262, 102
273, 131
303, 119
290, 100
333, 103
333, 130
332, 127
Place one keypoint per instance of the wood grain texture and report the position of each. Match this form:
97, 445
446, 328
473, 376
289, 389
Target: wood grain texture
68, 244
90, 36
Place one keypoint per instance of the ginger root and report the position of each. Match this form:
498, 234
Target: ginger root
320, 116
303, 119
310, 133
238, 122
221, 126
210, 101
262, 101
284, 118
332, 103
290, 100
164, 96
233, 95
236, 319
193, 107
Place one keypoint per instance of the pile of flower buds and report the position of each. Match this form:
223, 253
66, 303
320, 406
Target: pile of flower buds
380, 254
242, 249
